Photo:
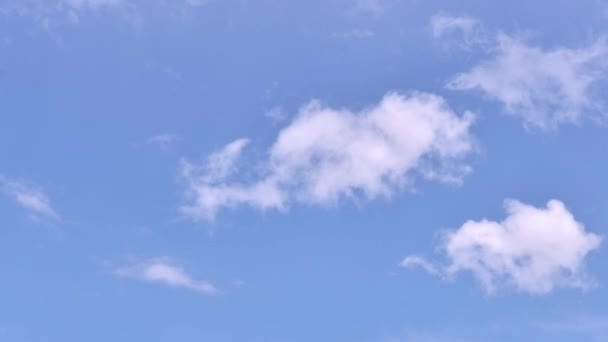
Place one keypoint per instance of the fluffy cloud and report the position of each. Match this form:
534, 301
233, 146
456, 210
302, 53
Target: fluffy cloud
163, 271
545, 88
29, 197
533, 249
328, 154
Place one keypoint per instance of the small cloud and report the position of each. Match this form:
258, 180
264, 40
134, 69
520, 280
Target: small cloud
162, 140
534, 250
220, 164
465, 30
238, 283
164, 271
168, 71
92, 4
173, 73
354, 34
29, 197
5, 41
416, 261
276, 114
197, 3
579, 328
52, 14
442, 24
373, 7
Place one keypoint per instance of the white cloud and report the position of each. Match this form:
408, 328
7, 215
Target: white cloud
221, 164
374, 7
197, 3
416, 261
534, 250
97, 4
443, 25
545, 88
356, 34
93, 4
208, 191
162, 140
276, 114
328, 154
53, 14
163, 271
29, 197
579, 328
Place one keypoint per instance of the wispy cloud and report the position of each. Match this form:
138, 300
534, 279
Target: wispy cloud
356, 34
53, 14
374, 7
328, 154
163, 140
534, 250
164, 271
579, 328
544, 87
30, 197
276, 114
92, 4
197, 3
464, 30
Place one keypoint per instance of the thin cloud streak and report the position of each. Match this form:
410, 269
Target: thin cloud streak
164, 271
31, 198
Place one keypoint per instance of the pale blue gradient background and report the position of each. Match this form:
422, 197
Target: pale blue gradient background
79, 102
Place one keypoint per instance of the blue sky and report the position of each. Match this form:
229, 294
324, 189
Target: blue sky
273, 171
